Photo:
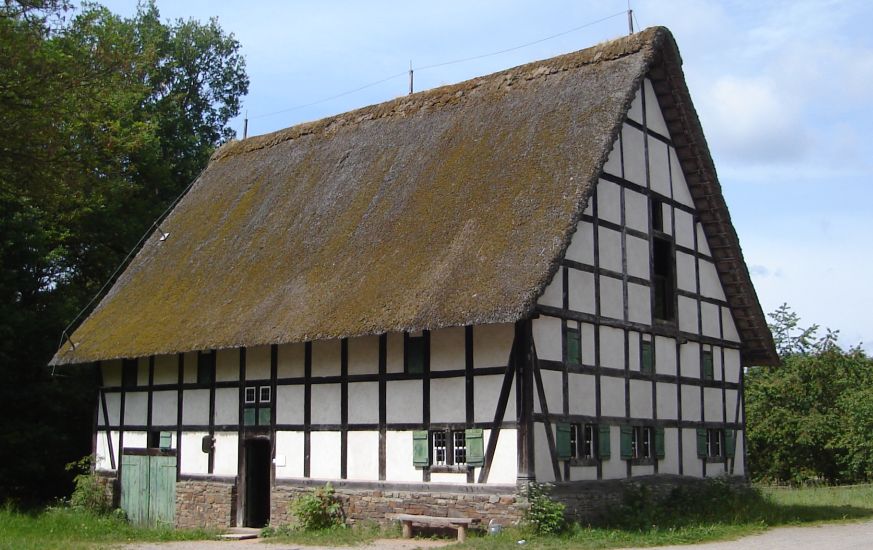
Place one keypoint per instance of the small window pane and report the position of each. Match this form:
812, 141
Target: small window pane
249, 416
574, 441
574, 349
250, 395
264, 416
460, 447
264, 394
439, 448
588, 441
415, 355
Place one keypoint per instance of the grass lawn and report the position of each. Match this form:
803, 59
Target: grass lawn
67, 529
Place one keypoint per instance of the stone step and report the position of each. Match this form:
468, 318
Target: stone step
241, 533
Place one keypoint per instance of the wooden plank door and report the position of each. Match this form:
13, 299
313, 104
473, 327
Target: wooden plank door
135, 488
162, 490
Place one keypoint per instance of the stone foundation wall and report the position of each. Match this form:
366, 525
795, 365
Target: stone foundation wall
205, 504
374, 504
111, 488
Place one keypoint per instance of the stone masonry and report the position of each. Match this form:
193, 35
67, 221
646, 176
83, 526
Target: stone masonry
205, 504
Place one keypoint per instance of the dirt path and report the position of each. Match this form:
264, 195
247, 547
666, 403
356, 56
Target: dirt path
256, 544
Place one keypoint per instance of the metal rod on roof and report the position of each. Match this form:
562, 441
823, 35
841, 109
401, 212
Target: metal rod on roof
410, 77
630, 20
246, 125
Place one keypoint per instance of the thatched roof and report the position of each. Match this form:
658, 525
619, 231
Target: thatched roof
444, 208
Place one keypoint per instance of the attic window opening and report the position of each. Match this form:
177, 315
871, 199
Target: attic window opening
415, 354
128, 373
657, 214
205, 367
663, 280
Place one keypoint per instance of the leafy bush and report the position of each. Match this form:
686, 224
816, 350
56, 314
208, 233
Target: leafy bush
89, 494
544, 515
320, 509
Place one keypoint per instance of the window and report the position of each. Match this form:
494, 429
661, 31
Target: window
159, 440
128, 373
715, 444
642, 443
574, 348
251, 395
448, 449
258, 406
582, 441
440, 449
205, 367
459, 446
415, 354
657, 214
264, 396
647, 357
706, 364
663, 279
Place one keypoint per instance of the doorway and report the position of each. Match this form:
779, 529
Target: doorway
257, 482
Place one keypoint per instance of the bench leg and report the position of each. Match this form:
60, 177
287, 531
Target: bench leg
407, 529
462, 533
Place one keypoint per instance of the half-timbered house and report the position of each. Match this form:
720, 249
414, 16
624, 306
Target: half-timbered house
528, 276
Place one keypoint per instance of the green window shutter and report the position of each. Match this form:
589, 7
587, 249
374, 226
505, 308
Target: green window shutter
420, 449
475, 447
603, 444
707, 365
264, 416
574, 351
166, 441
563, 441
249, 416
701, 443
415, 355
627, 435
730, 443
659, 442
647, 358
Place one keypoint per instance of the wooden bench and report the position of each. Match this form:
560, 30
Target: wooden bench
461, 524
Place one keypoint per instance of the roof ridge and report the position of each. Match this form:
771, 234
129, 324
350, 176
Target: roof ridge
403, 106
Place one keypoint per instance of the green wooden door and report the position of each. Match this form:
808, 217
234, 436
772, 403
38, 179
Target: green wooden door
135, 487
148, 488
162, 490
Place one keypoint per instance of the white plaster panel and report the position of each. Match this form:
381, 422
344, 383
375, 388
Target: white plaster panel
641, 399
136, 408
730, 401
504, 467
111, 372
684, 228
732, 365
447, 348
394, 353
364, 355
686, 276
290, 360
289, 404
164, 405
587, 332
581, 291
712, 405
636, 210
547, 337
611, 397
364, 403
583, 473
193, 459
581, 247
642, 470
613, 161
670, 463
103, 463
688, 315
226, 406
611, 347
639, 304
690, 403
610, 249
702, 243
553, 388
113, 408
448, 399
326, 358
136, 440
542, 457
665, 355
635, 112
728, 327
716, 363
634, 156
659, 167
739, 464
681, 193
710, 284
637, 257
553, 293
195, 407
667, 215
608, 201
448, 477
398, 453
615, 467
691, 465
289, 446
363, 461
227, 365
492, 345
633, 350
142, 371
326, 403
690, 359
583, 394
654, 117
226, 453
258, 363
324, 455
189, 366
667, 401
403, 402
486, 393
166, 369
611, 297
710, 314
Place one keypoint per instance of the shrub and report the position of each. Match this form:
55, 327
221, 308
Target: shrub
544, 515
89, 494
320, 509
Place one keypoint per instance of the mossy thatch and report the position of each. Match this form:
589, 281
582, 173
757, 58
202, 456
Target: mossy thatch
444, 208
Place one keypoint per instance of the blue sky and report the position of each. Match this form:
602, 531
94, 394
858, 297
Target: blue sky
783, 90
